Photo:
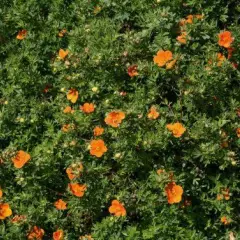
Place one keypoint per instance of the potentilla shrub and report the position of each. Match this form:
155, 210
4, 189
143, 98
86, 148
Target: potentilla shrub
119, 119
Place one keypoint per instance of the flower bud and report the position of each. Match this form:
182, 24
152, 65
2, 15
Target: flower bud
94, 89
117, 155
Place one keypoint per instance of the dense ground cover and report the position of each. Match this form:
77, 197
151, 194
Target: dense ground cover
119, 119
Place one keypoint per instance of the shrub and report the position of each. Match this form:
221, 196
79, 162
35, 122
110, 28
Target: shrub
119, 119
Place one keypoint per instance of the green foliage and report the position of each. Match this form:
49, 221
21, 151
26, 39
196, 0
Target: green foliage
203, 96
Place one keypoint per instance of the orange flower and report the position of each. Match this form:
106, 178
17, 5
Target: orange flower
189, 19
219, 197
62, 54
97, 9
1, 193
60, 204
62, 33
225, 39
74, 171
36, 234
199, 16
22, 34
87, 108
70, 174
220, 58
5, 210
21, 159
162, 58
117, 209
18, 218
86, 237
97, 148
66, 127
68, 109
174, 193
182, 38
225, 193
177, 129
171, 64
72, 95
224, 220
224, 144
153, 114
182, 22
98, 131
77, 189
238, 112
58, 235
132, 71
238, 132
47, 87
160, 171
114, 118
